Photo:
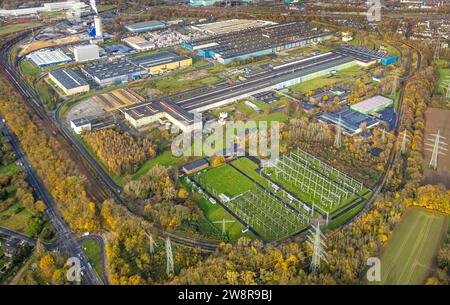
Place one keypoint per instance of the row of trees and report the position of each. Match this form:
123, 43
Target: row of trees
14, 189
120, 152
50, 162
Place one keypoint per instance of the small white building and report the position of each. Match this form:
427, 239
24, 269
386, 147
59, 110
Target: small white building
80, 125
86, 53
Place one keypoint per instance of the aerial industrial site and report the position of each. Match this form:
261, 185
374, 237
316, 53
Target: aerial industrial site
224, 143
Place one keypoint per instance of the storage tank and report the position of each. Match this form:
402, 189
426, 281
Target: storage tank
98, 26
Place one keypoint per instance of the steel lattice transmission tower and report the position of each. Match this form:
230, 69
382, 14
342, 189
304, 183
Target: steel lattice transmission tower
437, 49
169, 254
446, 87
315, 241
338, 136
152, 243
224, 222
395, 82
405, 139
436, 145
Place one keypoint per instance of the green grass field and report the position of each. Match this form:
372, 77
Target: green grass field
346, 76
29, 69
7, 29
226, 180
209, 227
444, 75
409, 255
92, 251
166, 158
15, 218
274, 222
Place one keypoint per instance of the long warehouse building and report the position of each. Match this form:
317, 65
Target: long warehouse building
180, 110
69, 81
254, 42
147, 112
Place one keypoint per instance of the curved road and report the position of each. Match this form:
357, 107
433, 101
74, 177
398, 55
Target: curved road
97, 176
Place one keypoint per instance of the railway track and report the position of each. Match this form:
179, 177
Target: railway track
99, 186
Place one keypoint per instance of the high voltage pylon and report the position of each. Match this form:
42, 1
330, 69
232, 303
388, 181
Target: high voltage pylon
169, 255
446, 87
152, 243
395, 82
315, 241
338, 137
405, 140
224, 222
436, 145
437, 49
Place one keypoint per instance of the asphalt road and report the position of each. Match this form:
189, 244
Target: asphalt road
97, 175
66, 239
101, 243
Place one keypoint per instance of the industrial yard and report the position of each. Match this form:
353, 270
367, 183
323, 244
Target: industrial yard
239, 142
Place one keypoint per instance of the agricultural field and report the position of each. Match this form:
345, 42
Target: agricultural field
409, 255
437, 119
444, 74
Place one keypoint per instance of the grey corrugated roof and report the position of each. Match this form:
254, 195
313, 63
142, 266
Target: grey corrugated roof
68, 78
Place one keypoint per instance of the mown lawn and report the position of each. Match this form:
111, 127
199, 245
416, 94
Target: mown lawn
249, 167
214, 213
444, 75
166, 158
225, 179
92, 251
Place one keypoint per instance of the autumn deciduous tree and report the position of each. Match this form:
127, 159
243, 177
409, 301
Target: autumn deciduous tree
47, 265
120, 152
216, 161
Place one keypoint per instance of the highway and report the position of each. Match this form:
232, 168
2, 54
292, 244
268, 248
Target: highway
66, 239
